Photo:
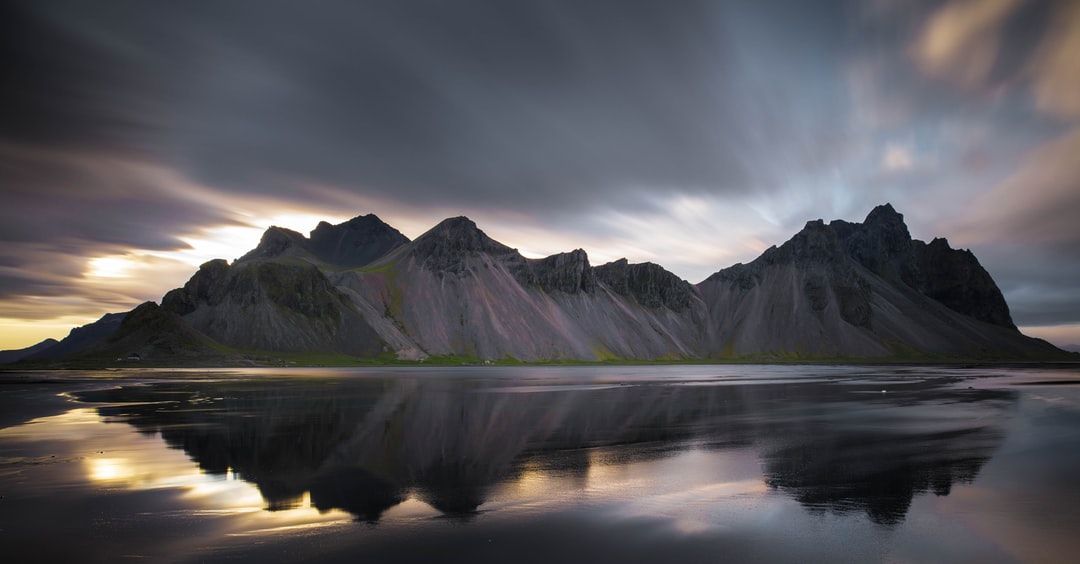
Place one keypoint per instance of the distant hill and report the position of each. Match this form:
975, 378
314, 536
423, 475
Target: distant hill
835, 291
7, 357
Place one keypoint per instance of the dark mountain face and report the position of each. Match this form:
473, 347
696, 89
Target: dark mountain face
564, 272
273, 306
356, 242
205, 286
956, 279
352, 244
882, 245
863, 289
953, 277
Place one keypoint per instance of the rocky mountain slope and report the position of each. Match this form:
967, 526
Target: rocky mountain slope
361, 288
456, 291
272, 305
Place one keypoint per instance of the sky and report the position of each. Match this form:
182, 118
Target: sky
141, 138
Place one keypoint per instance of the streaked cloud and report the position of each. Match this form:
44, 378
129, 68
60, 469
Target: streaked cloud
1038, 204
961, 40
1056, 66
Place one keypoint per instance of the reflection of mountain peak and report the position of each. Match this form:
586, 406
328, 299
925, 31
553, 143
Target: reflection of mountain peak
854, 471
354, 490
363, 445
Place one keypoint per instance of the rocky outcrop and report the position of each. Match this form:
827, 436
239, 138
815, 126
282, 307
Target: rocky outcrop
569, 273
647, 283
205, 286
954, 278
152, 333
272, 306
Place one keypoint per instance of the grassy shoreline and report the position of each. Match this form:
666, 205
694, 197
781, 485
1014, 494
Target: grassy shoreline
343, 361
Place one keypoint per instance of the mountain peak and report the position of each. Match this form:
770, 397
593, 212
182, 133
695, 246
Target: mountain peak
458, 223
445, 248
884, 214
274, 242
355, 242
883, 234
276, 232
461, 234
368, 221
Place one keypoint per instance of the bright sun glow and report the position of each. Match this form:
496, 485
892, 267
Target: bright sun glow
114, 266
232, 241
108, 469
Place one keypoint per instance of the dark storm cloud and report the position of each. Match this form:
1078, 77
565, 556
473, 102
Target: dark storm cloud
499, 105
92, 200
1039, 284
494, 103
62, 88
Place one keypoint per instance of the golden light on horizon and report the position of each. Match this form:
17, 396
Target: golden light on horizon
136, 275
230, 242
117, 456
116, 266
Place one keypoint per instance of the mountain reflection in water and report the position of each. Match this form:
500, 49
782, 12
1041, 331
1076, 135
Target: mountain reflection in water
364, 445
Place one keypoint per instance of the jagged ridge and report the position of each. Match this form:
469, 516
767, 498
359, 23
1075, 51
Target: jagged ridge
351, 244
863, 290
836, 290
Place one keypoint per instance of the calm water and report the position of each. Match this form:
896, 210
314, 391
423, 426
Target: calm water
621, 464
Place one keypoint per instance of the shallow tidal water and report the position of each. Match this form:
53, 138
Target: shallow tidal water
544, 464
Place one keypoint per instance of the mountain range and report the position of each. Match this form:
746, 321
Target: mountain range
363, 290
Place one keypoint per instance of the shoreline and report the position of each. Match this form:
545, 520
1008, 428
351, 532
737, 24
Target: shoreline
451, 363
